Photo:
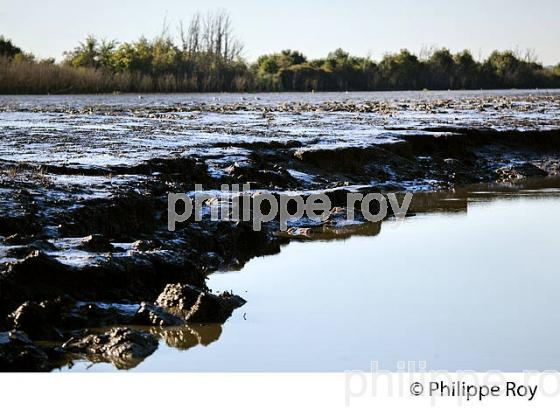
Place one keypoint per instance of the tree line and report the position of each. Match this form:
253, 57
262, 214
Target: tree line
206, 56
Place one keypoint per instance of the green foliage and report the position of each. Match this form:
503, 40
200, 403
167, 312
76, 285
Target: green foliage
86, 54
276, 70
401, 71
503, 63
273, 63
441, 69
467, 70
209, 59
7, 49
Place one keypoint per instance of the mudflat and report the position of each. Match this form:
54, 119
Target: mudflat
88, 266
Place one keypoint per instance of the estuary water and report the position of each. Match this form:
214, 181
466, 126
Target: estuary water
472, 284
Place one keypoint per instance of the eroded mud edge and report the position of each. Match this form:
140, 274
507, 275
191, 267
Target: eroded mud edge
88, 247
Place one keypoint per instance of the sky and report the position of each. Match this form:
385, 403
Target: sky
374, 27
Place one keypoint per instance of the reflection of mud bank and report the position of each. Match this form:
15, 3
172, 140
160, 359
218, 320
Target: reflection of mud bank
77, 224
140, 342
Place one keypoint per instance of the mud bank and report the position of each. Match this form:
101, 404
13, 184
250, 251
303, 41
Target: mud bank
87, 264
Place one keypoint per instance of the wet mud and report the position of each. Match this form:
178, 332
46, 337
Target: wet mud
90, 271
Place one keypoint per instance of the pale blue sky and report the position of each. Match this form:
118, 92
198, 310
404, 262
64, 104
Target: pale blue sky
47, 28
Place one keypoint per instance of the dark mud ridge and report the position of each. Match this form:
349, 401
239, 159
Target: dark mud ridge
90, 271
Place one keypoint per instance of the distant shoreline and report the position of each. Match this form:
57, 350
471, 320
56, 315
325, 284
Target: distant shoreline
151, 93
205, 55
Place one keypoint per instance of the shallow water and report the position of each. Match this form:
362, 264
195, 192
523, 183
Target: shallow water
30, 101
472, 287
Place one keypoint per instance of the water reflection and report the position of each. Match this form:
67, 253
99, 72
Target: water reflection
186, 337
177, 337
469, 282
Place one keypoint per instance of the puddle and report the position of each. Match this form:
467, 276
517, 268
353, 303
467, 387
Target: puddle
472, 286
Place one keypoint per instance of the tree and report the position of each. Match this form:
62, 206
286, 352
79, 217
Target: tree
467, 70
512, 71
105, 53
503, 63
347, 72
338, 56
85, 55
441, 69
273, 63
400, 71
165, 56
268, 64
7, 49
212, 36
